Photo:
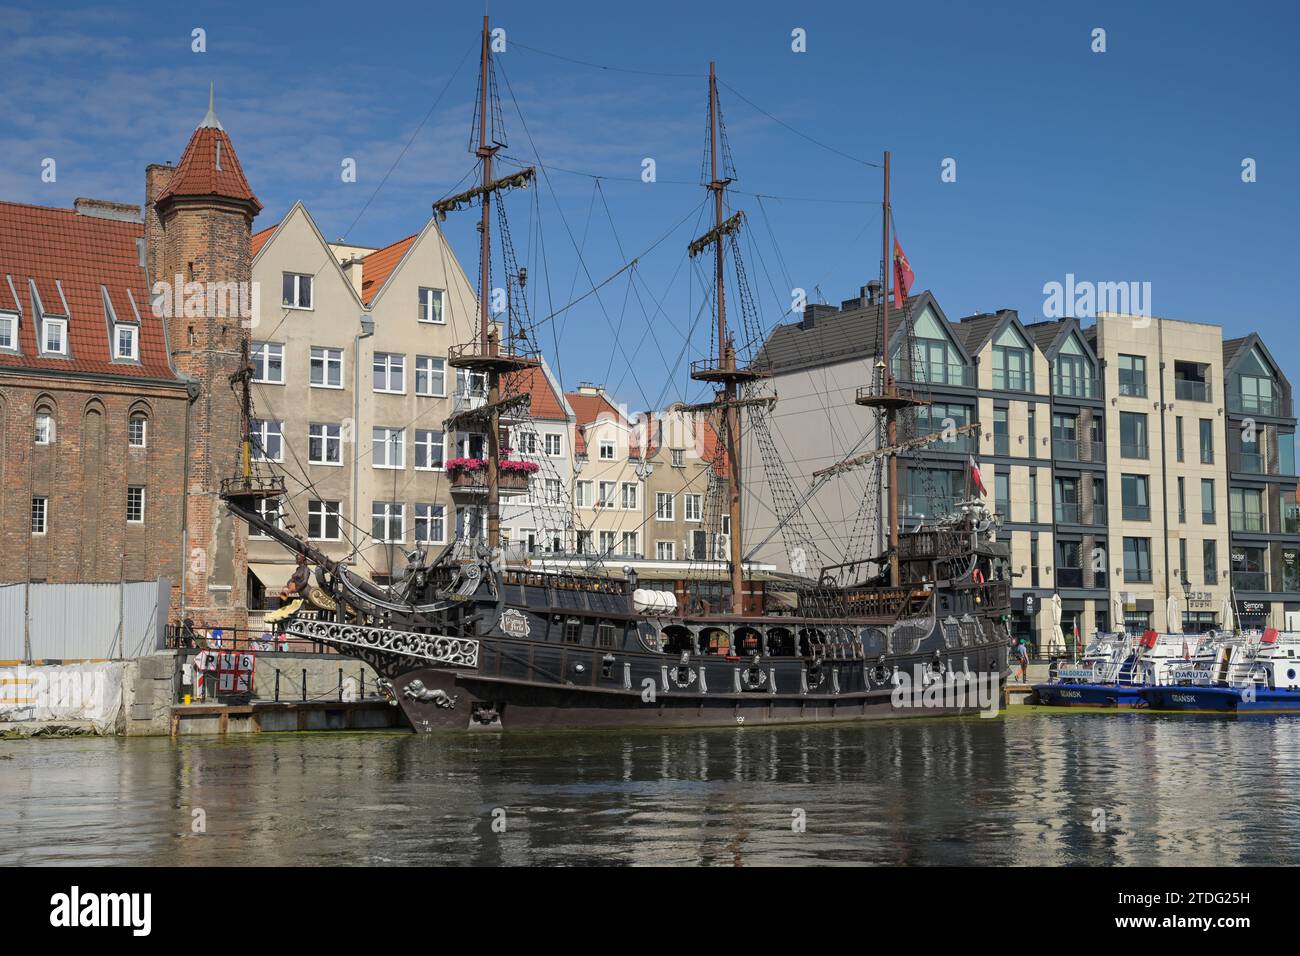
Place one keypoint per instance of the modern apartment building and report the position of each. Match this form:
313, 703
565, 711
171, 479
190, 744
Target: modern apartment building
1132, 461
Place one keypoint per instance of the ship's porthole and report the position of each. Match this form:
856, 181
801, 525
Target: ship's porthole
1290, 673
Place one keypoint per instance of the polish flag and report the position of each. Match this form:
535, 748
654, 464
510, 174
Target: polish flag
903, 275
975, 476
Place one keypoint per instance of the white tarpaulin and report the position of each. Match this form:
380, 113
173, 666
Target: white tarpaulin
1173, 617
48, 694
1118, 622
1226, 623
1058, 639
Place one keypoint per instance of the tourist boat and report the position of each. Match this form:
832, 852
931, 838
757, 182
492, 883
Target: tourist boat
1257, 671
466, 641
1114, 669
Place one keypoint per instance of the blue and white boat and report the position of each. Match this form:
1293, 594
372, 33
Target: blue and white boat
1115, 668
1253, 672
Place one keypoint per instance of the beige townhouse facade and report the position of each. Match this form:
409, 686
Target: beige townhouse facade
609, 477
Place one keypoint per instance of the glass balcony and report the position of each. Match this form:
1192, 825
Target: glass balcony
1190, 391
1255, 521
1067, 512
1250, 580
1069, 577
1001, 444
1137, 512
1250, 462
1013, 380
1137, 575
1207, 517
1133, 451
1135, 387
1071, 449
1255, 404
935, 373
1069, 387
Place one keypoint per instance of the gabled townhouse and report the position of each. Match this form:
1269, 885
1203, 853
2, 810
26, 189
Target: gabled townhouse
609, 478
680, 450
353, 392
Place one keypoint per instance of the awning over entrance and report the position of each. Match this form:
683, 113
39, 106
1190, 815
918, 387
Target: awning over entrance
272, 576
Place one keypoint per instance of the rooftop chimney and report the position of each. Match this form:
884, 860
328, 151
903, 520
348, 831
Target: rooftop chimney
103, 209
871, 292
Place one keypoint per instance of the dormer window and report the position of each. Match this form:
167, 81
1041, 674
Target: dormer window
126, 342
8, 331
55, 339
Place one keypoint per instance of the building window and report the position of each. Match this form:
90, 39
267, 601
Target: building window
663, 506
269, 511
323, 523
607, 450
388, 447
1002, 494
296, 290
1033, 495
679, 458
1182, 499
525, 442
583, 494
1065, 437
1178, 437
127, 342
1133, 375
1246, 510
1207, 501
552, 444
470, 384
267, 439
584, 542
137, 430
40, 514
388, 521
1207, 441
56, 336
665, 550
692, 506
390, 372
430, 524
430, 376
607, 542
1135, 490
326, 367
1210, 560
8, 331
44, 428
431, 306
1013, 368
1133, 435
135, 504
629, 548
1074, 370
1001, 432
631, 496
428, 449
325, 444
1033, 561
1137, 560
606, 496
552, 491
268, 363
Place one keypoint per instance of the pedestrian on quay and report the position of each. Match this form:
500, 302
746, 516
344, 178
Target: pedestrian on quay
1022, 652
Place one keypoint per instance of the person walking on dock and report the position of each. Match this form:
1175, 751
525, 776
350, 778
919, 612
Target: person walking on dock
1022, 653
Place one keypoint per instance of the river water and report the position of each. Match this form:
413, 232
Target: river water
1026, 788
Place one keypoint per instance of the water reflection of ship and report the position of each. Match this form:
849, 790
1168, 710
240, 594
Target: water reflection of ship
465, 641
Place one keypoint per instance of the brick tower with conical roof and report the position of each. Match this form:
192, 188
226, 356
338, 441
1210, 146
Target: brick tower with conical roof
198, 224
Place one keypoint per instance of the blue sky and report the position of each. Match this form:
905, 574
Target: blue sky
1118, 166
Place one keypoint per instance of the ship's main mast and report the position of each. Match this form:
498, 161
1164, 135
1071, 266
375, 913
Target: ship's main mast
725, 372
487, 354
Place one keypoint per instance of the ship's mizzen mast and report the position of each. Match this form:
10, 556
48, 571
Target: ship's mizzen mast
886, 394
488, 354
724, 373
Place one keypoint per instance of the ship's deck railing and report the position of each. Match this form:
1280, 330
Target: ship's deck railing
236, 638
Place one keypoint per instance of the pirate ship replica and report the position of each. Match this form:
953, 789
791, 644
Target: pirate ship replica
465, 641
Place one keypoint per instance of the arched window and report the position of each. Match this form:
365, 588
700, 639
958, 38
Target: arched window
137, 430
44, 425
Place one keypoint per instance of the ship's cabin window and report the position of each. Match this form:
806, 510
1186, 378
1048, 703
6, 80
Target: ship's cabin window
873, 641
780, 642
748, 640
676, 639
715, 640
573, 630
607, 634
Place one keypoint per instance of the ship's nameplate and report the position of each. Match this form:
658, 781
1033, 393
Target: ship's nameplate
514, 622
436, 648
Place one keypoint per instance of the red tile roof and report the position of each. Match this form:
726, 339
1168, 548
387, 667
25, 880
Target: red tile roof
259, 238
80, 253
379, 265
197, 174
533, 381
588, 409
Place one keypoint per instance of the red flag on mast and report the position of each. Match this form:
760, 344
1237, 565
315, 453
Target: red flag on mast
975, 476
903, 275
